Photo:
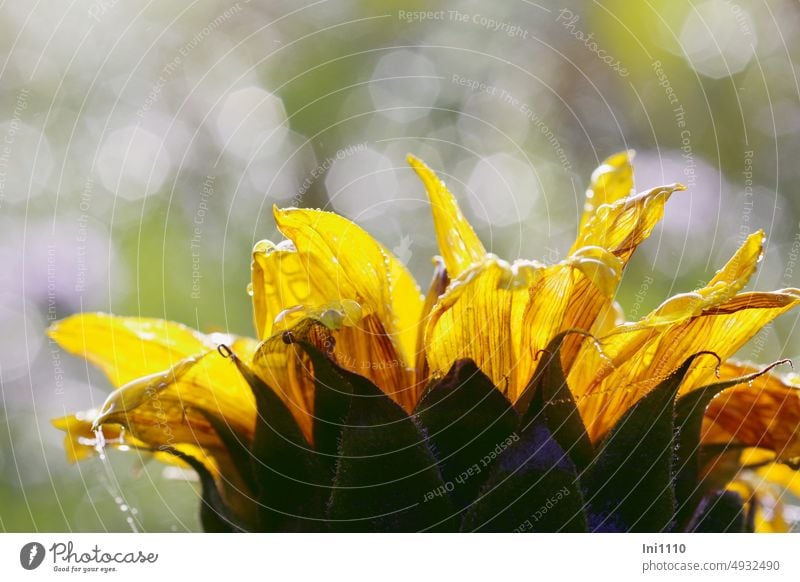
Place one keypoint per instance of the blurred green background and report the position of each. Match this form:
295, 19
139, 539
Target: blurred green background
142, 146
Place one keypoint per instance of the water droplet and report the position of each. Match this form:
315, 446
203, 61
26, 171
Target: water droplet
109, 477
331, 318
288, 317
100, 443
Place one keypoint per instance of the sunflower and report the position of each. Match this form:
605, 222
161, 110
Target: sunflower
512, 396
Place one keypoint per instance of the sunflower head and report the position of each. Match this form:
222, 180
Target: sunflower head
511, 396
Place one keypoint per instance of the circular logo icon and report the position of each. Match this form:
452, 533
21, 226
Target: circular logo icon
31, 555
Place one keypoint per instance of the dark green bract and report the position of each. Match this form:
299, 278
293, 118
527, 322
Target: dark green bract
467, 460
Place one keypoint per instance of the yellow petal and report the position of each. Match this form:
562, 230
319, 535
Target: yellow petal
600, 267
607, 384
591, 310
611, 181
722, 329
622, 225
766, 487
782, 477
500, 316
286, 368
436, 289
82, 441
636, 355
346, 263
407, 304
281, 279
363, 348
458, 244
754, 455
618, 227
764, 412
173, 407
126, 348
737, 271
727, 282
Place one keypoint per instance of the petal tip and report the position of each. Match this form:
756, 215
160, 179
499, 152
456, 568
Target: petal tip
61, 423
414, 161
52, 330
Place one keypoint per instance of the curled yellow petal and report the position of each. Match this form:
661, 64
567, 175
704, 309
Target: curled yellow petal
335, 261
171, 380
281, 279
727, 282
173, 406
83, 441
600, 267
611, 181
458, 244
622, 225
737, 271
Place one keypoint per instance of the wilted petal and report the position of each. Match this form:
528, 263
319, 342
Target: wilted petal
635, 355
458, 244
622, 225
764, 413
608, 384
